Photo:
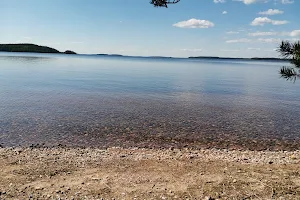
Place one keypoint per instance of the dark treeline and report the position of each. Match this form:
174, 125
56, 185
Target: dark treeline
229, 58
27, 48
32, 48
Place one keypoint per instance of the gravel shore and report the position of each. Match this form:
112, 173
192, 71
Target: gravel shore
140, 173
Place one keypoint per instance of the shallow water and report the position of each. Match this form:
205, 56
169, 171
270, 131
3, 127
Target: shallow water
104, 101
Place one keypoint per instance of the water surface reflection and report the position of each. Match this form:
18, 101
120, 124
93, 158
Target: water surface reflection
101, 102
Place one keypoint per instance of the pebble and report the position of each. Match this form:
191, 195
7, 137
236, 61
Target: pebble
208, 198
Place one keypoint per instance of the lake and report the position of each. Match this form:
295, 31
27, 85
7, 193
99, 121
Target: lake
102, 101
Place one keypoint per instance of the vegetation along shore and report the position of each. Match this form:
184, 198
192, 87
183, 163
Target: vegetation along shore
30, 48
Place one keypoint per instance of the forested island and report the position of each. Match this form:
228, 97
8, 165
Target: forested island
30, 48
69, 52
104, 54
228, 58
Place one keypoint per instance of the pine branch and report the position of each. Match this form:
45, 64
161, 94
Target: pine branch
289, 73
163, 3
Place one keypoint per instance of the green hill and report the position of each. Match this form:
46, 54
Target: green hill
27, 48
69, 52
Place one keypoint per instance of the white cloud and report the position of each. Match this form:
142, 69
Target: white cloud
279, 22
287, 1
295, 33
232, 32
254, 49
194, 23
270, 50
224, 12
247, 2
192, 50
294, 39
270, 40
259, 40
230, 50
255, 34
260, 21
219, 1
242, 40
271, 12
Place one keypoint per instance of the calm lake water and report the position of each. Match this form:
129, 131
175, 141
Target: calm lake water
103, 101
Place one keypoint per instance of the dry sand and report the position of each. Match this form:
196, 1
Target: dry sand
117, 173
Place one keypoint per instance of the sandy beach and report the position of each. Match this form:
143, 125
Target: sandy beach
139, 173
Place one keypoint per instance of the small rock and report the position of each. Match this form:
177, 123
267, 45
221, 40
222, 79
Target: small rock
38, 188
208, 198
271, 162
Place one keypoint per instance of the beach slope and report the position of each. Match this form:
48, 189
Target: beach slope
135, 173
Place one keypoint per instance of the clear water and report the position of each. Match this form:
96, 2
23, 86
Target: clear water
101, 101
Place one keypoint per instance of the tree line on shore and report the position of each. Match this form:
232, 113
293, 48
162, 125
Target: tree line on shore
32, 48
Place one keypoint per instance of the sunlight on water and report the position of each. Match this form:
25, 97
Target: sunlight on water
105, 101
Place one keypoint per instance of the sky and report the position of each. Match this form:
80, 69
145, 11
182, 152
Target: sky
231, 28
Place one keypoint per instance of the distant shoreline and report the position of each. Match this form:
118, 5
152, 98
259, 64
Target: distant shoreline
230, 58
33, 48
30, 48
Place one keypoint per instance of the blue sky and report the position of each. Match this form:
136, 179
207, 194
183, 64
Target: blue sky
236, 28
